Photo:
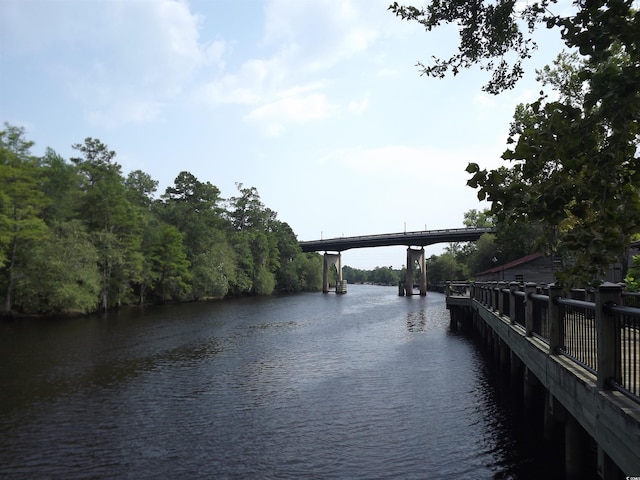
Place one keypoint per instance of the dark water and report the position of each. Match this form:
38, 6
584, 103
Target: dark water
364, 385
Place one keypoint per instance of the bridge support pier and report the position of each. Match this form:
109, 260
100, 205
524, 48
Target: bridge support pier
414, 256
332, 260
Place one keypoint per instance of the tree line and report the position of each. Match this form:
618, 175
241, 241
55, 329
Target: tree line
377, 276
79, 236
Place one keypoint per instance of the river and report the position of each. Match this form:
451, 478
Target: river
367, 385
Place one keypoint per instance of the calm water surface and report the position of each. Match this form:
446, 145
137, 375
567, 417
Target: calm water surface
364, 385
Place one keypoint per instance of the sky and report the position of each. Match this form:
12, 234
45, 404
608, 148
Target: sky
318, 104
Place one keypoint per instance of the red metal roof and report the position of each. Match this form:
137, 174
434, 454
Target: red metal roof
514, 263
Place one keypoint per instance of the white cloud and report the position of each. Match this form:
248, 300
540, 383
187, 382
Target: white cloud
121, 61
391, 161
385, 72
325, 32
303, 42
359, 106
255, 80
136, 112
290, 107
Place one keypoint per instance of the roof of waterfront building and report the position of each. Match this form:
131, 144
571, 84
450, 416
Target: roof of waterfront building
514, 263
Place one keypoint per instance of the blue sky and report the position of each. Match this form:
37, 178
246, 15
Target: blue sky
316, 103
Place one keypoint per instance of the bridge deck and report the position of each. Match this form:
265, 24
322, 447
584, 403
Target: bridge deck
420, 238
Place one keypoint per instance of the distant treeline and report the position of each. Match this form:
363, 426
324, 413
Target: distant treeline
79, 236
378, 276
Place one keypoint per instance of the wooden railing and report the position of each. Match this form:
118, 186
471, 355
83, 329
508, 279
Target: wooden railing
596, 329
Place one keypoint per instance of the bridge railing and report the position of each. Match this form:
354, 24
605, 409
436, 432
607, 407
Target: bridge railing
596, 329
417, 233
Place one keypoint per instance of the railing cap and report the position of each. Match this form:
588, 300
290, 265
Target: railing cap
609, 286
554, 286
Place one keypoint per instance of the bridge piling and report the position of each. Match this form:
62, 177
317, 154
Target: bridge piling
414, 256
333, 260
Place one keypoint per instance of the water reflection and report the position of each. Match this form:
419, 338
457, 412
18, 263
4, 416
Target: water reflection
417, 321
314, 386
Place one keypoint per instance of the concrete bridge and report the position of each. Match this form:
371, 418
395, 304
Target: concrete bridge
579, 348
334, 246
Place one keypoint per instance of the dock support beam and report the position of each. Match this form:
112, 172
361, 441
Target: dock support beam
412, 257
574, 448
331, 260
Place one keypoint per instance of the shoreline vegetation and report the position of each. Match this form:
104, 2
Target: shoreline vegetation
77, 236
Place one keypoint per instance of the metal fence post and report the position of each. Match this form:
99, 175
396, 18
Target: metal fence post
556, 334
501, 302
606, 334
529, 289
494, 296
513, 287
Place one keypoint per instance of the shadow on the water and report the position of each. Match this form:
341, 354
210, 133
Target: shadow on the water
531, 453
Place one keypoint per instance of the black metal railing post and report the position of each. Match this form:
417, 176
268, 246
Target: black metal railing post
492, 296
502, 304
529, 321
513, 287
556, 335
607, 293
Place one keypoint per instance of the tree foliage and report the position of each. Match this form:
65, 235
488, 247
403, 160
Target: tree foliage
21, 204
573, 160
377, 276
79, 236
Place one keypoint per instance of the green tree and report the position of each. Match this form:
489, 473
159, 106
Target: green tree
445, 267
140, 188
61, 274
632, 278
485, 253
194, 208
265, 263
255, 241
247, 210
288, 250
575, 174
110, 217
309, 270
169, 264
61, 186
477, 218
385, 275
21, 203
354, 275
575, 159
214, 270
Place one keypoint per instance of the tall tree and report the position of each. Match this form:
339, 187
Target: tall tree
140, 188
61, 185
61, 274
110, 217
254, 240
247, 210
194, 207
21, 203
169, 264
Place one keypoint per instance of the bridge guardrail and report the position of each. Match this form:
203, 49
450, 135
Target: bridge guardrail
423, 237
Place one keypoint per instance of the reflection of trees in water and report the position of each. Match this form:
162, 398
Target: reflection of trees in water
417, 321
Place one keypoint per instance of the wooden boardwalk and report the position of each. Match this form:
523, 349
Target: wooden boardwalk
557, 342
